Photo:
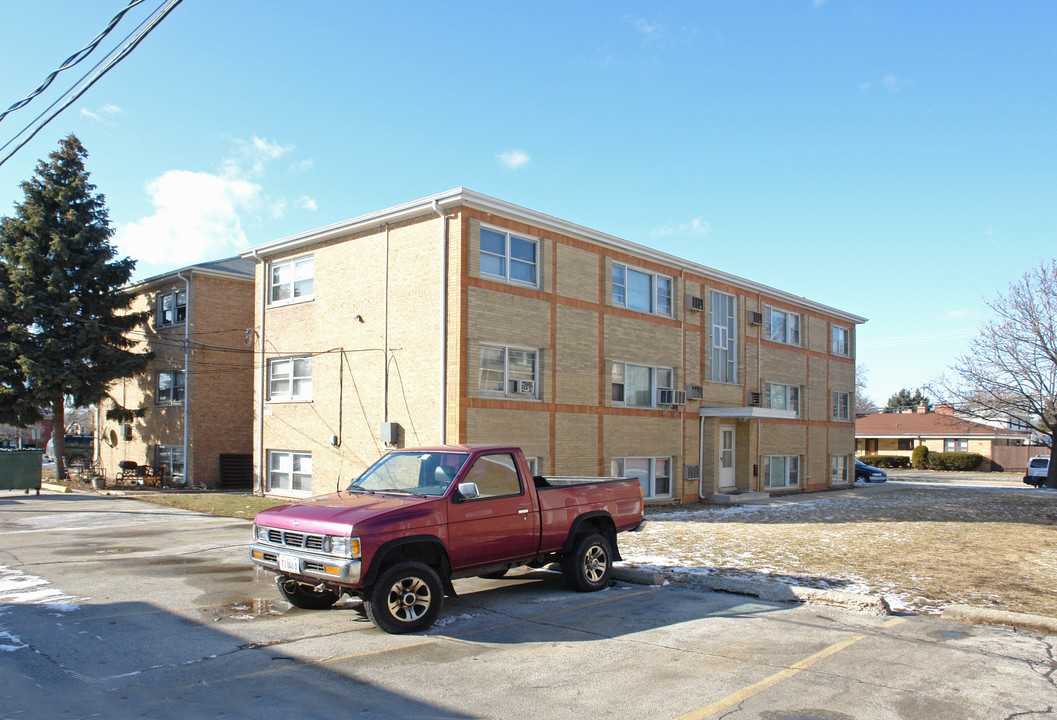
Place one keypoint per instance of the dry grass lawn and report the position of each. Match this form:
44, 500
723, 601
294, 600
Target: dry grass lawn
921, 547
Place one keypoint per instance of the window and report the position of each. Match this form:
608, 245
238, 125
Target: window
653, 473
724, 355
495, 476
838, 470
638, 385
508, 371
840, 341
289, 471
290, 379
904, 444
956, 445
170, 387
171, 462
783, 397
513, 258
172, 308
841, 404
291, 280
640, 290
781, 471
781, 326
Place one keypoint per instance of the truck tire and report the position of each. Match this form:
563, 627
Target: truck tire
305, 596
406, 597
588, 567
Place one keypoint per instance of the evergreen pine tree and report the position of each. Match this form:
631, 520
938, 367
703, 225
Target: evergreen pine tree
64, 322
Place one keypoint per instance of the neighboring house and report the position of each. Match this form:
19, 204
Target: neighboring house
35, 436
197, 393
461, 318
940, 431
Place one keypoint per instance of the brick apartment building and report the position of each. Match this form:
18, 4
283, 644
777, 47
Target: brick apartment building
197, 393
461, 318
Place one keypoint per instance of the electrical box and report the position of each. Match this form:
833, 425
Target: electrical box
391, 433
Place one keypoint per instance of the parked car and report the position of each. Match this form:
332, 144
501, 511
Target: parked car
1038, 469
868, 473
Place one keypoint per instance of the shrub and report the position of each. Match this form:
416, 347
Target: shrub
886, 461
920, 458
955, 461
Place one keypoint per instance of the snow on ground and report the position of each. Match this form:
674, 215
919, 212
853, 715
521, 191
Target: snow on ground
19, 588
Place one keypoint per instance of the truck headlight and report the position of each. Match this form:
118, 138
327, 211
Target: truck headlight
343, 546
260, 532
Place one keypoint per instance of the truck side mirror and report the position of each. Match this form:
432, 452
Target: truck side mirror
468, 490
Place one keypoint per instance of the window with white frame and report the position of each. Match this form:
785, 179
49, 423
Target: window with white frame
508, 371
782, 397
840, 341
781, 326
641, 290
639, 385
510, 257
289, 471
781, 471
724, 354
956, 445
840, 410
838, 470
172, 308
291, 280
653, 473
171, 462
170, 387
290, 379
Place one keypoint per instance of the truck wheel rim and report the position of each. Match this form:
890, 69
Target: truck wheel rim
595, 564
409, 599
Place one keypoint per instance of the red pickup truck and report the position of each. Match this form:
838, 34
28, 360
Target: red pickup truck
418, 518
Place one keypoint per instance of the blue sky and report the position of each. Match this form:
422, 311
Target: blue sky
895, 160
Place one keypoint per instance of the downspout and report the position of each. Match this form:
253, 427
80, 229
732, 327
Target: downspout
759, 388
701, 457
385, 333
189, 307
264, 379
443, 323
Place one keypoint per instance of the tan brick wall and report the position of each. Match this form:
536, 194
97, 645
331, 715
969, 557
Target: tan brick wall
576, 448
577, 273
576, 356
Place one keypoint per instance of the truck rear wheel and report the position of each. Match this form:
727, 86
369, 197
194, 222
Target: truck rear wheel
407, 597
305, 596
588, 567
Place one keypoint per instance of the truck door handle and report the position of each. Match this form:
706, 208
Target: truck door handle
523, 511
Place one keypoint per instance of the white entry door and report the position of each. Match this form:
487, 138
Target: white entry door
726, 458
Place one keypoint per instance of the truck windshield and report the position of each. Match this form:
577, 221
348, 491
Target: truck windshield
416, 473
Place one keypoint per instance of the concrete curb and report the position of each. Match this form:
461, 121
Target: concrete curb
985, 616
775, 592
55, 487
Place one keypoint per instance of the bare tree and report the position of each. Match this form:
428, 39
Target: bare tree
863, 405
1010, 369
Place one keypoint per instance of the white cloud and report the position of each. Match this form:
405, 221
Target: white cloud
253, 156
306, 203
104, 113
514, 159
697, 226
957, 314
648, 30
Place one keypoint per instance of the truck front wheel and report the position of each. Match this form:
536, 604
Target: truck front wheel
304, 596
406, 598
588, 567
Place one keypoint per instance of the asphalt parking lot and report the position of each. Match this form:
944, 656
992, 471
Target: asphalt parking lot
111, 607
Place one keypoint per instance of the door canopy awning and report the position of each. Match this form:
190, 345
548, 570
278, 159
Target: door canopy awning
746, 413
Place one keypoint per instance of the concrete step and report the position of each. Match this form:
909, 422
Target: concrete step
738, 497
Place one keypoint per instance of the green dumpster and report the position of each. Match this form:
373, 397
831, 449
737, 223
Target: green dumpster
20, 470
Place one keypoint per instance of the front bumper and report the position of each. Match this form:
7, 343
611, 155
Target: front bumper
328, 568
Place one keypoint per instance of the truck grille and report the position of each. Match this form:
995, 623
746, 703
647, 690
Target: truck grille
296, 540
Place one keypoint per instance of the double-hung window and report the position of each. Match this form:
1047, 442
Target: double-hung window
783, 397
641, 290
290, 379
289, 471
840, 341
510, 257
724, 354
781, 326
171, 460
838, 470
956, 445
172, 308
170, 387
781, 471
840, 406
291, 280
508, 372
639, 385
653, 473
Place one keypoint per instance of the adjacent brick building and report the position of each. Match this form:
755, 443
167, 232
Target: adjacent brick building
461, 318
197, 394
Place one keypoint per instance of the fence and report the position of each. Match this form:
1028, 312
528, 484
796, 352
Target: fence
1014, 458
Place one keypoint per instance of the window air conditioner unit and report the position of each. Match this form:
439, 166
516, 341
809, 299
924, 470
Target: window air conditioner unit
525, 387
755, 399
671, 397
695, 392
693, 302
755, 318
691, 472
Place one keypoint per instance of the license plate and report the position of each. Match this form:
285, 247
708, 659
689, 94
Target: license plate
290, 564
